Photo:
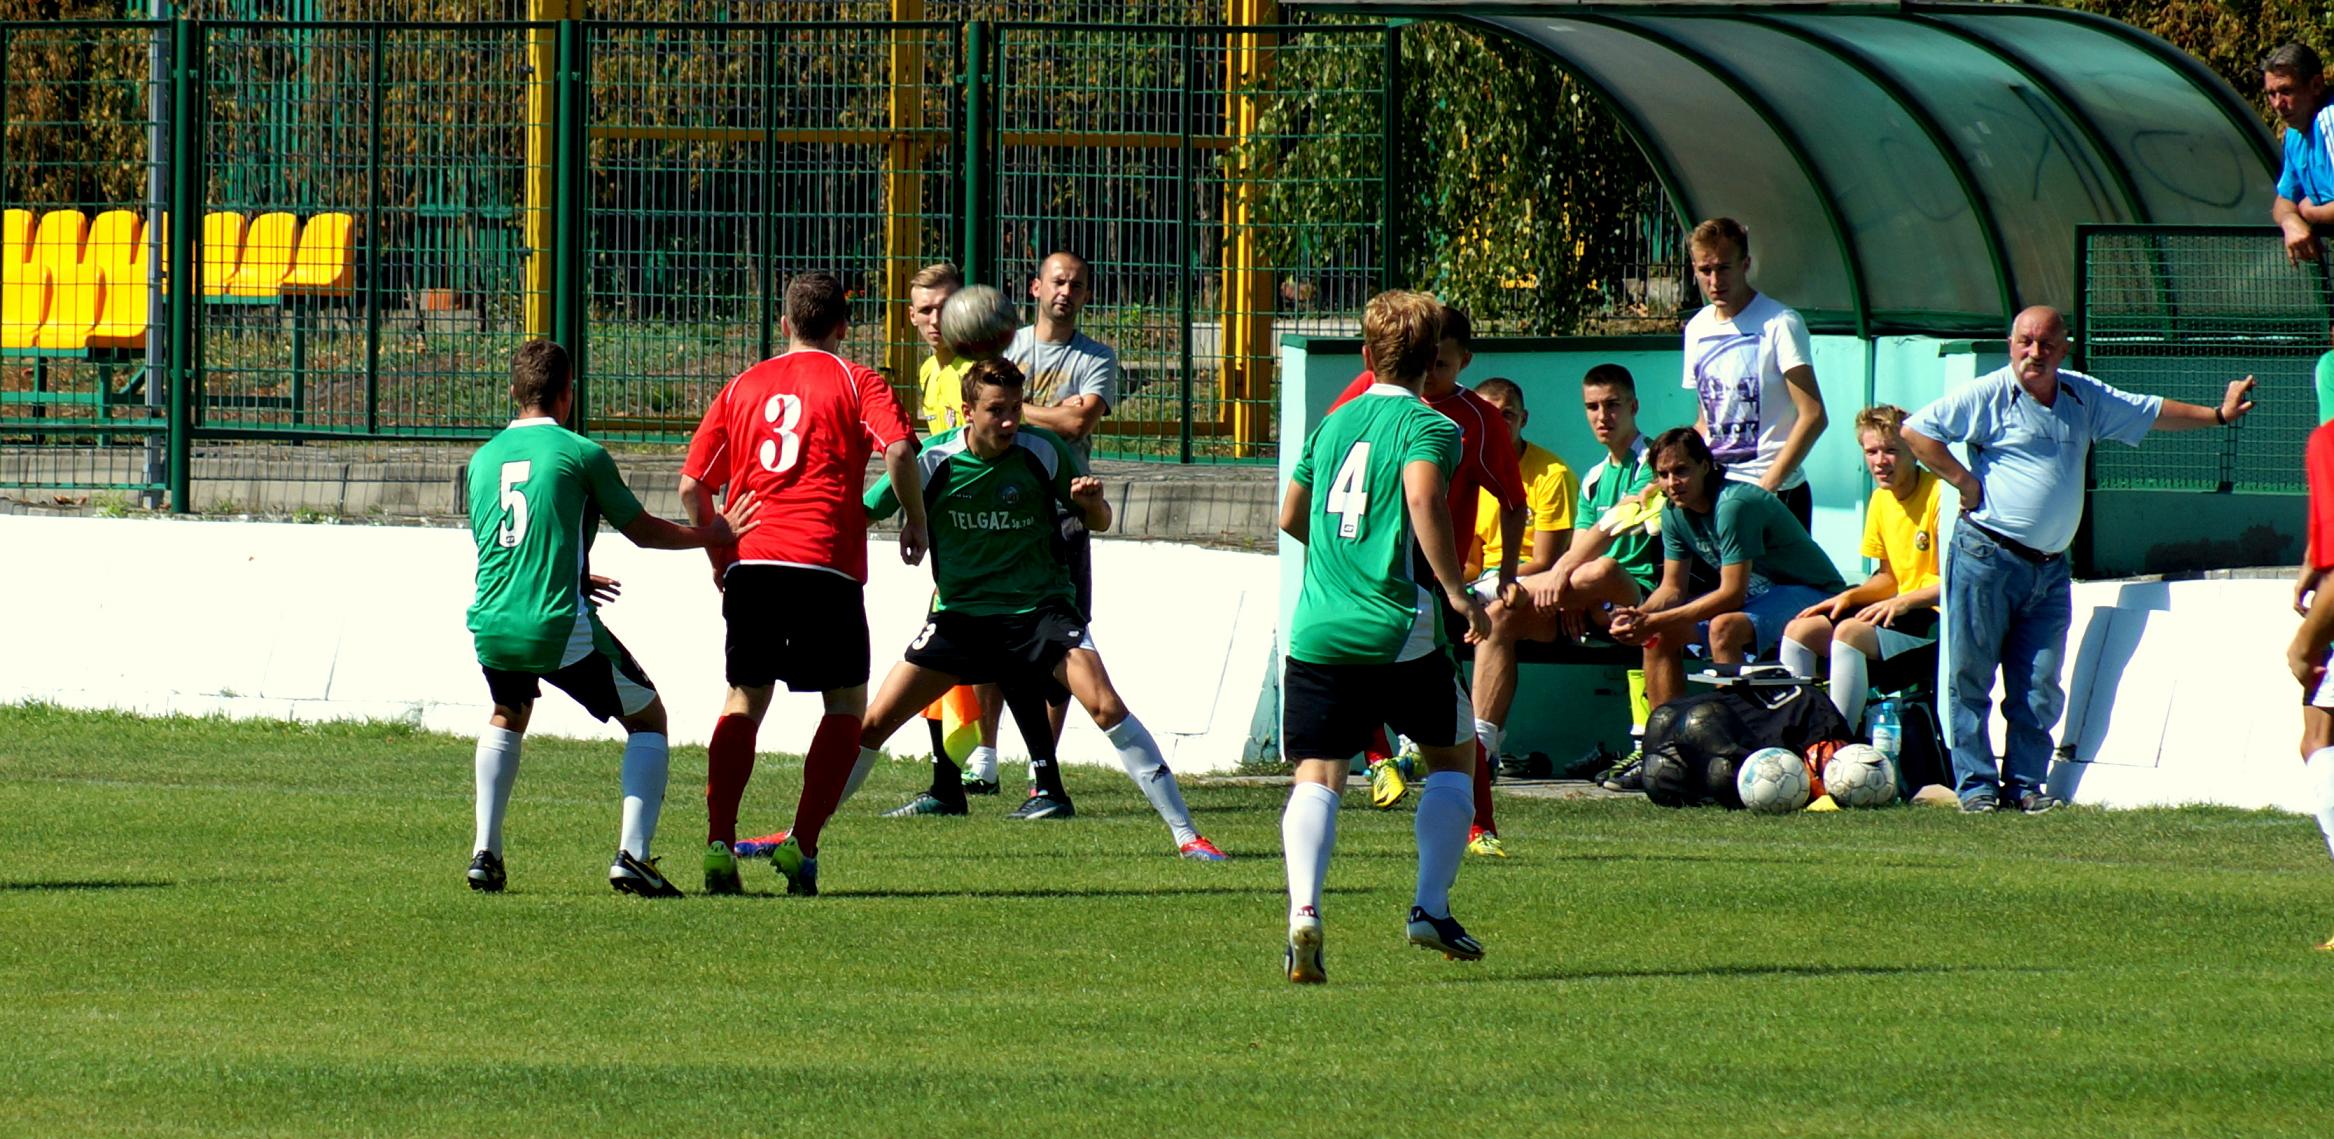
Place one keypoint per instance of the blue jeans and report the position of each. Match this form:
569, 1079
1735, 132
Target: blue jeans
2003, 612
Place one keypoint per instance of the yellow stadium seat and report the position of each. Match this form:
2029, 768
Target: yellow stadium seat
267, 256
326, 263
222, 251
16, 238
24, 304
123, 266
59, 239
115, 236
76, 293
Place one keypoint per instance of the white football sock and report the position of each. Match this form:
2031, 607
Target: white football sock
1445, 809
1850, 682
1798, 659
1308, 831
859, 770
2321, 769
1490, 735
982, 763
496, 764
1139, 754
646, 760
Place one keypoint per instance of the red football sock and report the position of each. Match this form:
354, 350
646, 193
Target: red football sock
834, 750
1483, 790
729, 764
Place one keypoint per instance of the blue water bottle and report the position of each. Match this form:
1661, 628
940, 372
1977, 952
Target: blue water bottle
1887, 729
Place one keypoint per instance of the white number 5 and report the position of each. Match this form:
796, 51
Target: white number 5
1349, 492
514, 503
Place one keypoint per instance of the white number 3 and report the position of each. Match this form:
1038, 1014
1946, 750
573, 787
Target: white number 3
782, 413
1349, 492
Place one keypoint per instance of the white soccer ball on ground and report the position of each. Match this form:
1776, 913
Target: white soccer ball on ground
1860, 775
1772, 780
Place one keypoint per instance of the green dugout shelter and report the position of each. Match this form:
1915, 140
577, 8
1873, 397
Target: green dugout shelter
1919, 167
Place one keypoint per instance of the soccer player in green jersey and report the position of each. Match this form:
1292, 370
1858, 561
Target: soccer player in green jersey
1004, 610
1368, 644
538, 492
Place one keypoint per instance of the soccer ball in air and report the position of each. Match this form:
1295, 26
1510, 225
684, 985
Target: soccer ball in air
1772, 781
1860, 775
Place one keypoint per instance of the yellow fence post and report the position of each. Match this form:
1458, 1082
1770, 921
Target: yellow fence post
903, 189
542, 107
1249, 360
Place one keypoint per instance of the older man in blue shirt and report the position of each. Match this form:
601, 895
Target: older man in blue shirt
2029, 427
2293, 80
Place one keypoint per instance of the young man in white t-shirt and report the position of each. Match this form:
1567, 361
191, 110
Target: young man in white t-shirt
1747, 360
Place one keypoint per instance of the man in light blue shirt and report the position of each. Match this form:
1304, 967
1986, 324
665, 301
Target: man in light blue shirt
2293, 80
2029, 428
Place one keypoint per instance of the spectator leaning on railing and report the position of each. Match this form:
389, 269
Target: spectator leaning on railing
2294, 81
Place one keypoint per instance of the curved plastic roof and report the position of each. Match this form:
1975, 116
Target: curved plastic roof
1914, 166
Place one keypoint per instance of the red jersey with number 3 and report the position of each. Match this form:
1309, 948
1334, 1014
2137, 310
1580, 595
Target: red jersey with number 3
796, 430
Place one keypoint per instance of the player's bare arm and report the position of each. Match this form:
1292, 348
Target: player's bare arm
1073, 418
653, 533
1086, 493
1886, 610
2306, 657
1296, 512
2305, 583
1425, 494
1733, 589
1936, 456
1848, 602
2301, 243
697, 505
899, 463
1799, 382
1512, 523
2235, 403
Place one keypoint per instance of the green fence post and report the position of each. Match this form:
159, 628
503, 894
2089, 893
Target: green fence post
373, 241
767, 190
1390, 159
572, 226
1185, 243
185, 205
979, 237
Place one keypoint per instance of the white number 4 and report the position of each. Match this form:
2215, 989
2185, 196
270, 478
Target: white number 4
514, 503
1349, 492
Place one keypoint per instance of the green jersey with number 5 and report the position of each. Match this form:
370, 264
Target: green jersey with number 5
537, 494
1362, 601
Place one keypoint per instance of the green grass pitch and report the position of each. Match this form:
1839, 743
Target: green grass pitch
261, 929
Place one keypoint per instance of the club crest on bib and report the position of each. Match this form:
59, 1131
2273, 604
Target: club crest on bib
1921, 540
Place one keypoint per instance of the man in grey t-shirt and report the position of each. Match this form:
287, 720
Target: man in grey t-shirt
1072, 378
1071, 383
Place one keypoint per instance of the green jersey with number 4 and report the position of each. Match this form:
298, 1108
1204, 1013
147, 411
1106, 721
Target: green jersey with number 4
537, 494
1362, 603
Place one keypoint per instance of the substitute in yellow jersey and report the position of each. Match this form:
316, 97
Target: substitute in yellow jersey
1550, 492
1893, 612
940, 378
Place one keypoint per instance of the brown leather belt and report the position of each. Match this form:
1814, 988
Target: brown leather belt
2013, 545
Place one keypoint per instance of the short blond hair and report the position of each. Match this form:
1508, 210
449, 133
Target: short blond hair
937, 274
1887, 419
1402, 329
1708, 234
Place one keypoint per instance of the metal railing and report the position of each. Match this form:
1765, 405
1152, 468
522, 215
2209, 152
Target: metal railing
2179, 311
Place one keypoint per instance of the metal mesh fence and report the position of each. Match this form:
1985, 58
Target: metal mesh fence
79, 132
1214, 211
373, 248
725, 160
2180, 311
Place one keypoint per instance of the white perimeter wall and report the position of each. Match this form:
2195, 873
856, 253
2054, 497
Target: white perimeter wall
330, 622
